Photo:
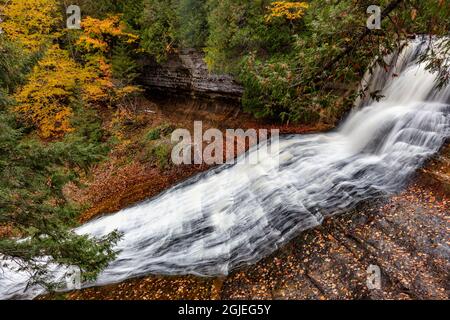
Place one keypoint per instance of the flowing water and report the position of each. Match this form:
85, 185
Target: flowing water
235, 215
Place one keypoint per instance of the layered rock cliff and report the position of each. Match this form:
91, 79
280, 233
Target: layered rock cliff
186, 73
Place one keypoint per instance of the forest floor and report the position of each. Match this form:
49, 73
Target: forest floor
406, 236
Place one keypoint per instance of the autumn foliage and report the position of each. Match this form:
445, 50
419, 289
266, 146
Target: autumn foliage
44, 101
99, 35
56, 81
95, 44
60, 78
32, 22
290, 11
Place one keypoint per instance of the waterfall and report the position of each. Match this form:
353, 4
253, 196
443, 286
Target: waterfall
235, 215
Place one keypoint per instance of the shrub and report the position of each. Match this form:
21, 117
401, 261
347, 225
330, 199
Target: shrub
160, 154
161, 131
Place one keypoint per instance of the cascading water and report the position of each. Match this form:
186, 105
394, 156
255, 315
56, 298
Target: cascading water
235, 215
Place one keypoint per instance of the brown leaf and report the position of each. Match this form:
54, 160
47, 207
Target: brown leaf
413, 14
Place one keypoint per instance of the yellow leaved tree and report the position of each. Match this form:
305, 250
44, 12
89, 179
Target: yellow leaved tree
57, 79
46, 98
95, 43
34, 23
99, 35
288, 10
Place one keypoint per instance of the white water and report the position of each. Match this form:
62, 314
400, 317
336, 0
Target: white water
236, 215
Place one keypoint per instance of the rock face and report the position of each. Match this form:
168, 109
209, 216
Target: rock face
186, 73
